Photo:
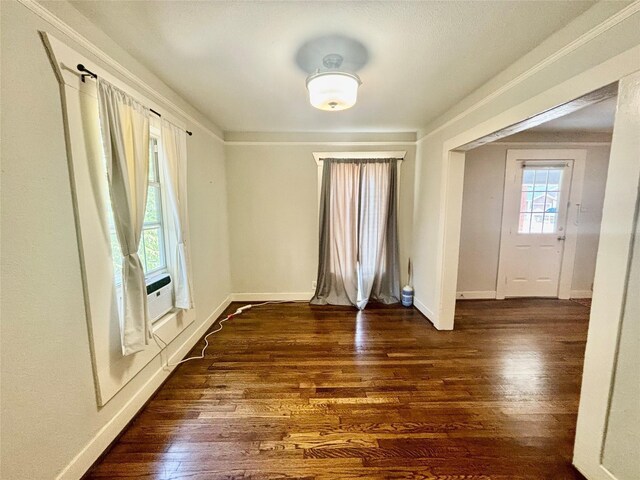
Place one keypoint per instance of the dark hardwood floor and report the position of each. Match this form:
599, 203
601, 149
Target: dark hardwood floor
300, 392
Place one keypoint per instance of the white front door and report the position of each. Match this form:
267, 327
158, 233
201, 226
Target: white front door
534, 224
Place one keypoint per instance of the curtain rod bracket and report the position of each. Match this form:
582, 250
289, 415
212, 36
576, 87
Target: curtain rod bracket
89, 73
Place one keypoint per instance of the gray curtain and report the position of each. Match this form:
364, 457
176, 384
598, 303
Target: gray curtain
359, 259
124, 125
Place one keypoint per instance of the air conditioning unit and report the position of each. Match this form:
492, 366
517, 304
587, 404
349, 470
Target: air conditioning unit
159, 296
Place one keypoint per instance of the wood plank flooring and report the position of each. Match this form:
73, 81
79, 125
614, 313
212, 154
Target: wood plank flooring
293, 391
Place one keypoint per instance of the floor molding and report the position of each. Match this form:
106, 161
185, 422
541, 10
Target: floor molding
101, 441
424, 310
476, 295
271, 296
581, 294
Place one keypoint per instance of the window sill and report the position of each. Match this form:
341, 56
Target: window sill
164, 319
172, 324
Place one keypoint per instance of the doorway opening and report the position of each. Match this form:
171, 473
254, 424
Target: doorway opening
615, 276
532, 206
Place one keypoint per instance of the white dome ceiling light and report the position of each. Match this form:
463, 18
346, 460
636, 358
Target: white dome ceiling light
333, 89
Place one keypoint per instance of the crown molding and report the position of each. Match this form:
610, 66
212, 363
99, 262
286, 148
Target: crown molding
74, 35
583, 39
84, 42
233, 143
321, 138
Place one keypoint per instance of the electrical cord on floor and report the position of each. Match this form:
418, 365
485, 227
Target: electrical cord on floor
239, 311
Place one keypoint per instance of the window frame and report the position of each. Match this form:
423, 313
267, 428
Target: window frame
152, 275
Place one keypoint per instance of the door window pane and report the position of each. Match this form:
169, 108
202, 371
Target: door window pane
550, 221
528, 177
541, 180
538, 202
536, 223
525, 222
554, 180
539, 197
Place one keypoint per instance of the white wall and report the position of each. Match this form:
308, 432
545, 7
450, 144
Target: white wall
610, 380
620, 453
482, 203
49, 412
548, 76
273, 213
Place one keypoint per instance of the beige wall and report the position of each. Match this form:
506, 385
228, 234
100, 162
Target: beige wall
49, 411
482, 215
273, 213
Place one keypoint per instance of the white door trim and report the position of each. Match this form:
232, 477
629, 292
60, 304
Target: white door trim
571, 231
609, 285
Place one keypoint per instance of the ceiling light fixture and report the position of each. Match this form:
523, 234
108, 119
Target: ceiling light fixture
333, 89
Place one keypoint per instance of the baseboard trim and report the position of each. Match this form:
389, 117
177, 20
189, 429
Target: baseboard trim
101, 440
476, 295
581, 294
267, 296
424, 310
593, 470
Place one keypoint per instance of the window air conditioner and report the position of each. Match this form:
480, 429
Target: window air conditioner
159, 296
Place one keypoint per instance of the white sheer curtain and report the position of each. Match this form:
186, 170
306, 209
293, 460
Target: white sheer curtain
375, 180
124, 125
358, 233
343, 223
174, 157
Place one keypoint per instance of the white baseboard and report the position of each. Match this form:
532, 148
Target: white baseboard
99, 443
254, 297
593, 470
581, 293
422, 308
476, 295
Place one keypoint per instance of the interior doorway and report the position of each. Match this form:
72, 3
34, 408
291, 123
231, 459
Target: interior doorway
612, 282
532, 206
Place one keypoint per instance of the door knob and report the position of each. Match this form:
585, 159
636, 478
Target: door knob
562, 238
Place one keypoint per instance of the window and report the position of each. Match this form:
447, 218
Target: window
152, 242
539, 197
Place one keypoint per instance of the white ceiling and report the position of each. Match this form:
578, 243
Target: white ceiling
236, 61
596, 118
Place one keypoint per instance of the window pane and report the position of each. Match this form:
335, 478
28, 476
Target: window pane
523, 225
153, 160
526, 201
152, 248
551, 205
116, 256
539, 199
555, 177
536, 223
141, 252
152, 213
541, 180
528, 177
550, 222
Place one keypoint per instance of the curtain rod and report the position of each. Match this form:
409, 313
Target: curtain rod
89, 73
